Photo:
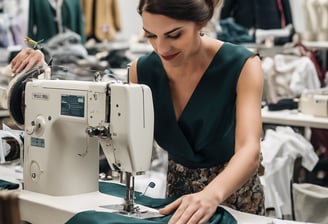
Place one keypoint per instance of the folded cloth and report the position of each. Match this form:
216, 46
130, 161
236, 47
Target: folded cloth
94, 217
8, 185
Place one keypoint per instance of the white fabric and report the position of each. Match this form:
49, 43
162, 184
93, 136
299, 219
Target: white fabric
262, 34
16, 14
304, 74
280, 148
287, 76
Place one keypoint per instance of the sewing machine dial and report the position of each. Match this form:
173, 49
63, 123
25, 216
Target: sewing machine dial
35, 171
37, 126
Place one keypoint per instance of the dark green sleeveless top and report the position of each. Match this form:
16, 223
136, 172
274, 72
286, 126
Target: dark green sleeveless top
204, 135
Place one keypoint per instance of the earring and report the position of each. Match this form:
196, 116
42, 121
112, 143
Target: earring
201, 33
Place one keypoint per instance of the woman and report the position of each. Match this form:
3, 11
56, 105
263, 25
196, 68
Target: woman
207, 105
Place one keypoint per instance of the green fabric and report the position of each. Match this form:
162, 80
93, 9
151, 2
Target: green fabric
42, 24
118, 190
8, 185
93, 217
204, 135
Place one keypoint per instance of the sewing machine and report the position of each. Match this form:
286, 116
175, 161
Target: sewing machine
65, 123
314, 102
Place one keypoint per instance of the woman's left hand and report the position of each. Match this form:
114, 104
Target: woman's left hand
26, 59
192, 208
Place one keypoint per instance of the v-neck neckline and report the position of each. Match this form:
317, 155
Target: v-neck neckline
195, 92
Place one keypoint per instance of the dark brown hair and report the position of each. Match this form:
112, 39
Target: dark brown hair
198, 11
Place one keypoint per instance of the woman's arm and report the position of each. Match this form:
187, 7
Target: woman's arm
248, 133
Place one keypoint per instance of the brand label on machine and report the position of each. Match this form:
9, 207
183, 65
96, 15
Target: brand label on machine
40, 96
38, 142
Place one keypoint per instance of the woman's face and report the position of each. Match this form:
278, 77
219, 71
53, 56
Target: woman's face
175, 41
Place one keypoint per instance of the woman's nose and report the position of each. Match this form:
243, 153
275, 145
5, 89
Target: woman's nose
163, 46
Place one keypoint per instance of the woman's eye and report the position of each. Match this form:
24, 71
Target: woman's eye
172, 36
175, 36
149, 36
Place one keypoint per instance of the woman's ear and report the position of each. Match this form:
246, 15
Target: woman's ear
202, 25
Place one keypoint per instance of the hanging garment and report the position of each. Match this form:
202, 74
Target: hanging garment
312, 54
5, 37
13, 21
233, 32
102, 19
43, 25
287, 76
259, 14
280, 148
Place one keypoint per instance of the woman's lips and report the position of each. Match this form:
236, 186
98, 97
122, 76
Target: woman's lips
169, 57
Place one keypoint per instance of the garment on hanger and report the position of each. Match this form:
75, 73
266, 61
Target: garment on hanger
43, 24
102, 19
6, 38
280, 148
57, 6
286, 76
233, 32
316, 20
258, 14
12, 23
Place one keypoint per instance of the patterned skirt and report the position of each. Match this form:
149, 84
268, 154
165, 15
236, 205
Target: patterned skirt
182, 180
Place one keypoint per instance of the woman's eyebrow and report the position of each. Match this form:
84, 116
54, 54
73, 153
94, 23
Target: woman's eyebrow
171, 31
166, 33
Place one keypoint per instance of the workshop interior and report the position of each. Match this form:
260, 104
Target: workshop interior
77, 137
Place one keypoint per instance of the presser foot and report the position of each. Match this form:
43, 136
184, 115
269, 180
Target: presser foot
136, 212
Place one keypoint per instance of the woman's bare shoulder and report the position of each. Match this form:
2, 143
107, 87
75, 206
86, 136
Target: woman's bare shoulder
133, 71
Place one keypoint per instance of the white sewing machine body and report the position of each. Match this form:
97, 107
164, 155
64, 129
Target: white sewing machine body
60, 156
314, 102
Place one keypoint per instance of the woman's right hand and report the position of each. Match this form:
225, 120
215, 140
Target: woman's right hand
27, 59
